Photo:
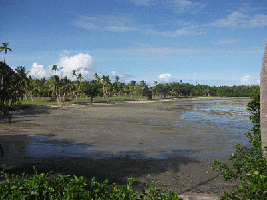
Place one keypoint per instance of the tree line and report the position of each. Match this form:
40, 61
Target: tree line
104, 87
16, 85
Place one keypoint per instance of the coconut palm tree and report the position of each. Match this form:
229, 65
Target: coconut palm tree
65, 86
54, 67
105, 83
116, 86
4, 47
97, 78
55, 85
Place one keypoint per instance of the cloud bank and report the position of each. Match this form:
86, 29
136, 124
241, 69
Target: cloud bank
81, 63
38, 71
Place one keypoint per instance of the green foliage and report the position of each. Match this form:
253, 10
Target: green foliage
248, 164
154, 193
55, 87
163, 89
43, 186
12, 88
91, 88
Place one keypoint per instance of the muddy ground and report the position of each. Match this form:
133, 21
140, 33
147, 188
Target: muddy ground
144, 140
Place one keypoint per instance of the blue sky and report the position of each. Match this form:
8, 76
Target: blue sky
196, 41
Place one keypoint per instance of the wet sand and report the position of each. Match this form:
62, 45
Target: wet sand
144, 140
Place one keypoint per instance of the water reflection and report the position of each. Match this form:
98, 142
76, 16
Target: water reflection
44, 146
227, 115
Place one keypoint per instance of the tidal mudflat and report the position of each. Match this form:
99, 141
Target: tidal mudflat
172, 142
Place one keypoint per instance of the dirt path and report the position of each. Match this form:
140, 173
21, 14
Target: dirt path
146, 141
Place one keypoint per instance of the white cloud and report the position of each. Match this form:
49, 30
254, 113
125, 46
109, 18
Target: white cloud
180, 6
114, 23
239, 20
81, 63
119, 28
183, 31
38, 71
248, 80
258, 20
112, 76
226, 41
245, 80
165, 78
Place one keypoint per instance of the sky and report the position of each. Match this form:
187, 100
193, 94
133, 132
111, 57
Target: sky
203, 42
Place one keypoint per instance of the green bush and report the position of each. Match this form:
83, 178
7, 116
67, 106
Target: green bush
248, 164
42, 186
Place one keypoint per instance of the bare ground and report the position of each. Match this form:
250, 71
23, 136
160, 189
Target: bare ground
146, 141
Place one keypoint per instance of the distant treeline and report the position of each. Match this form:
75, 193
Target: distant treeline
186, 89
27, 87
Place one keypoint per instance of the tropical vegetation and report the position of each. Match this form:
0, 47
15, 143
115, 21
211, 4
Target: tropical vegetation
249, 165
44, 186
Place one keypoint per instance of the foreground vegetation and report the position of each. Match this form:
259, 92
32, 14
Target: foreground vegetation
249, 165
42, 186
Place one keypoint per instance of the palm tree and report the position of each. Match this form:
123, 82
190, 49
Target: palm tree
77, 83
105, 83
79, 79
22, 81
54, 67
132, 87
97, 78
116, 85
55, 84
65, 86
4, 47
73, 73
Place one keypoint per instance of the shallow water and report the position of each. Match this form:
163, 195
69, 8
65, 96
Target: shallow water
44, 146
213, 127
227, 115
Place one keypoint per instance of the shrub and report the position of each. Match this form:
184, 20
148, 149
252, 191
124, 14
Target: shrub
248, 164
42, 186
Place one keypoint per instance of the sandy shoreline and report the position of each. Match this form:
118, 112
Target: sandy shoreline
124, 140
